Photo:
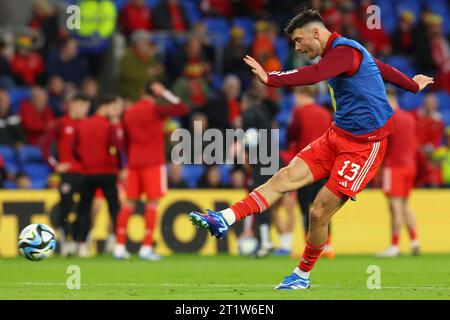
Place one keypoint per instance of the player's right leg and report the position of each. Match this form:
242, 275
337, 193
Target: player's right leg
292, 177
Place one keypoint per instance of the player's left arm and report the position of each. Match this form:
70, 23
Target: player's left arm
394, 76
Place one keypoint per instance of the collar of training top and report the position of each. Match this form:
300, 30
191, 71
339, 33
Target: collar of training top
333, 36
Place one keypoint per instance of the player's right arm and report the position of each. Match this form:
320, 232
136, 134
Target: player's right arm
176, 107
336, 61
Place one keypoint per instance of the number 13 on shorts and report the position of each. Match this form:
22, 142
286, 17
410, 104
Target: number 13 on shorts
354, 170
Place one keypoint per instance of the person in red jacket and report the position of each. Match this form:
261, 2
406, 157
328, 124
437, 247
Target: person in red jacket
27, 66
143, 126
98, 146
62, 133
399, 172
135, 15
430, 133
36, 115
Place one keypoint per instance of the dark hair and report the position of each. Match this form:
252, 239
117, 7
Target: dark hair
79, 97
304, 17
106, 99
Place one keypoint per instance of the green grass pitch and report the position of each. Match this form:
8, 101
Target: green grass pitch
224, 277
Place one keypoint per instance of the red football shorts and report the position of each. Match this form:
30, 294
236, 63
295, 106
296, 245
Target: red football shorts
398, 181
151, 181
348, 164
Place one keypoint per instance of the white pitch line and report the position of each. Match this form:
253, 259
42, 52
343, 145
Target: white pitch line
212, 285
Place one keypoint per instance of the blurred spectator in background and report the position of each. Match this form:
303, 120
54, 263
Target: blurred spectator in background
263, 47
89, 89
422, 52
446, 160
67, 63
223, 110
27, 66
169, 15
216, 8
403, 37
22, 180
6, 80
237, 178
139, 65
55, 89
44, 24
175, 176
211, 178
233, 53
430, 132
135, 15
3, 173
36, 115
97, 26
269, 96
11, 131
192, 86
376, 38
195, 53
440, 52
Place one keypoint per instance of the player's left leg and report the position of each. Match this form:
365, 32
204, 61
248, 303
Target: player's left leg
323, 208
154, 180
411, 224
396, 212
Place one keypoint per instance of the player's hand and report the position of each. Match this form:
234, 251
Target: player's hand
157, 88
62, 167
422, 80
256, 68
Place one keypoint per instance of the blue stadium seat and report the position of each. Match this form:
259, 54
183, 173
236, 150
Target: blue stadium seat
17, 95
39, 184
192, 11
30, 154
444, 100
403, 64
282, 49
283, 137
408, 5
9, 156
216, 81
323, 99
218, 29
287, 102
446, 116
7, 153
36, 171
225, 171
247, 24
192, 173
9, 185
410, 101
152, 3
120, 4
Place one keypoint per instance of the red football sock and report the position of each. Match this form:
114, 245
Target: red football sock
150, 222
395, 239
412, 233
121, 224
254, 202
310, 256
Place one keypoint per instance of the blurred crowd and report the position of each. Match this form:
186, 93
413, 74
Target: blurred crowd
195, 47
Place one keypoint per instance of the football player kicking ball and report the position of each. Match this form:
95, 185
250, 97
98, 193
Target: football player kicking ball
348, 154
